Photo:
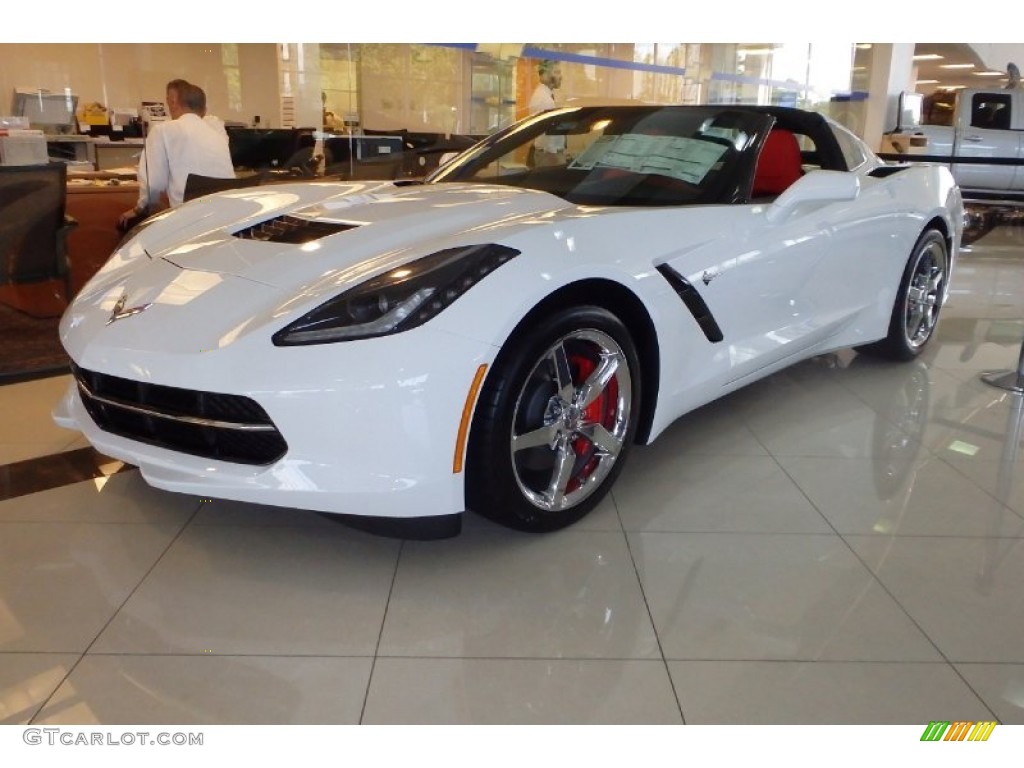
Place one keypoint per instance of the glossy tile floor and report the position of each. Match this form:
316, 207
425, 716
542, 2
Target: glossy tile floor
840, 543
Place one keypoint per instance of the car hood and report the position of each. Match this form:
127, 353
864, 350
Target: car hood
345, 232
196, 278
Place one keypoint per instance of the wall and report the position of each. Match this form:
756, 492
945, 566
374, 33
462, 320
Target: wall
427, 87
417, 87
124, 74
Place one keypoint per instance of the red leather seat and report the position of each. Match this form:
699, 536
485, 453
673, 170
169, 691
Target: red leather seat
778, 165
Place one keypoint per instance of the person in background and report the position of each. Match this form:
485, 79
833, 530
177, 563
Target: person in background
1013, 76
547, 150
190, 142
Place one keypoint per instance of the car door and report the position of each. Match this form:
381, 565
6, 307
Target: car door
987, 134
751, 276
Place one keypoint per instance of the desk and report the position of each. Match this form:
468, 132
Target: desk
96, 207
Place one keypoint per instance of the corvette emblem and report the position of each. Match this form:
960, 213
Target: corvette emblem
120, 313
708, 276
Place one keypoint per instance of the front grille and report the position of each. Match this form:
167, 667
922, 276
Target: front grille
292, 229
209, 424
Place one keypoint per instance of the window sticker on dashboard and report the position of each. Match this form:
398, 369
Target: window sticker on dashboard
675, 156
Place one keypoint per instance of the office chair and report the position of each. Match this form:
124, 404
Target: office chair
33, 225
197, 185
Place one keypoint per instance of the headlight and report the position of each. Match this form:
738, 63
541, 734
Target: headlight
398, 300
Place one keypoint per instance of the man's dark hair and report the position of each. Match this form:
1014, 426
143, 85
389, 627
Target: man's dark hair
193, 98
179, 86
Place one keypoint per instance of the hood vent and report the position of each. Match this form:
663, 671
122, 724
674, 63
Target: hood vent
292, 229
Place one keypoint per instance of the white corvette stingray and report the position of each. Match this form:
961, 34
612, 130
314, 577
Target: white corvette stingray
496, 338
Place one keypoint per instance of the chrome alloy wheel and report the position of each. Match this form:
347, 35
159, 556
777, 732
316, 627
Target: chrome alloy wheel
924, 293
571, 419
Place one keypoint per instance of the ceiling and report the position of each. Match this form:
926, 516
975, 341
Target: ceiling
938, 69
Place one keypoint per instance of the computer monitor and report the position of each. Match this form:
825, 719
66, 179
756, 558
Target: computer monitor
48, 112
264, 148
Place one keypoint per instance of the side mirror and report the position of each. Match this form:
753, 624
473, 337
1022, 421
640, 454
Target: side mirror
818, 187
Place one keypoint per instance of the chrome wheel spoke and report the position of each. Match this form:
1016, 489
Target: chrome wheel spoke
563, 373
546, 435
915, 319
605, 441
562, 475
598, 381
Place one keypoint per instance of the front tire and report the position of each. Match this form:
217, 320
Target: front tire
555, 421
922, 290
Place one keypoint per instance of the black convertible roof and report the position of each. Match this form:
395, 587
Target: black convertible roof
811, 124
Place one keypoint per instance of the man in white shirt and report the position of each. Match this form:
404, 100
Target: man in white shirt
547, 150
190, 142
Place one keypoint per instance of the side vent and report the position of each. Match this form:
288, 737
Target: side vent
694, 302
292, 229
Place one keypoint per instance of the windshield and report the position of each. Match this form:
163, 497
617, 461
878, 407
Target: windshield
620, 155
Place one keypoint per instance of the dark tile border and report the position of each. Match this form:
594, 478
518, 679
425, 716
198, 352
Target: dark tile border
54, 471
41, 373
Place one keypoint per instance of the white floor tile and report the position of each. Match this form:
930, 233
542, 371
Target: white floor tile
260, 590
1003, 482
240, 690
565, 595
520, 691
26, 407
604, 517
818, 421
663, 491
1000, 686
822, 693
978, 427
26, 682
909, 495
741, 596
964, 593
60, 583
716, 429
118, 498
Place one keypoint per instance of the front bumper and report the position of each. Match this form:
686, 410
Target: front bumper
370, 426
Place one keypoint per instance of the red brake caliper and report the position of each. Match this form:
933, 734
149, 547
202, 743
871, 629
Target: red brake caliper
601, 411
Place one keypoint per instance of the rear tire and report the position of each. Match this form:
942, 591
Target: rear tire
922, 290
555, 421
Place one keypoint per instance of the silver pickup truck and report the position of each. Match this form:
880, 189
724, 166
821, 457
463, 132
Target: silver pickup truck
979, 132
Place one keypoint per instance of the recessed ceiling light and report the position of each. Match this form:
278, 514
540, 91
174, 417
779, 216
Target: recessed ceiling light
956, 66
928, 57
926, 82
989, 74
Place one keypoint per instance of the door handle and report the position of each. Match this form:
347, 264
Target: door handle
973, 137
